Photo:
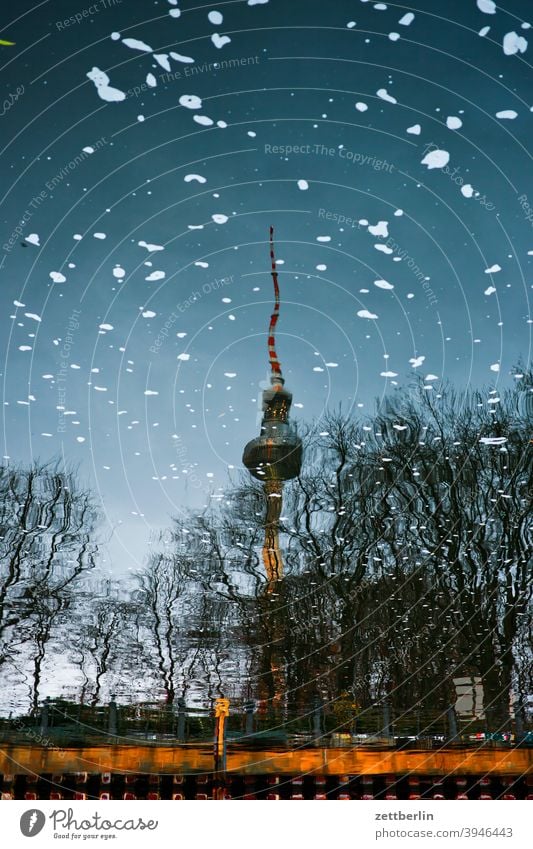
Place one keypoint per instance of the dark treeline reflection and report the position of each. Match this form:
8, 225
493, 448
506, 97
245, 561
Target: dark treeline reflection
407, 543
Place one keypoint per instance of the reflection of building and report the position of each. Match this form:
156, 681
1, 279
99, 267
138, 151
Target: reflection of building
276, 454
469, 702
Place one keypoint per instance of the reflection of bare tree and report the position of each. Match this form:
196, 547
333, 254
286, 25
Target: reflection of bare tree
463, 483
407, 550
46, 546
161, 587
101, 637
182, 623
406, 543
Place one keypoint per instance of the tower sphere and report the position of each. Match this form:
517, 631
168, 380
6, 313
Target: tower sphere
276, 454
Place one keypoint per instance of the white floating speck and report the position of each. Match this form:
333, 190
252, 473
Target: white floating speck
323, 238
484, 31
201, 264
366, 314
204, 120
303, 185
360, 106
383, 284
321, 267
150, 247
493, 269
88, 149
179, 57
99, 235
148, 314
219, 218
388, 374
407, 19
490, 290
80, 439
379, 229
155, 275
487, 6
384, 95
33, 239
495, 367
514, 43
150, 392
467, 190
184, 357
416, 362
220, 40
162, 59
436, 159
453, 123
135, 44
57, 277
151, 81
105, 326
507, 114
394, 36
33, 316
415, 130
198, 177
215, 18
119, 272
190, 101
104, 90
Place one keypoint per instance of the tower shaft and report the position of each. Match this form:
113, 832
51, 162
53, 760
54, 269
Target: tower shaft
272, 557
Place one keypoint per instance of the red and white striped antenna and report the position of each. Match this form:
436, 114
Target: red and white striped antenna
275, 366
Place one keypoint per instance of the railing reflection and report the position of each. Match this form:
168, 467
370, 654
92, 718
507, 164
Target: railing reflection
256, 724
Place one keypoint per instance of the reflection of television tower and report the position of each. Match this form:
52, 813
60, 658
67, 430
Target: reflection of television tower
276, 454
